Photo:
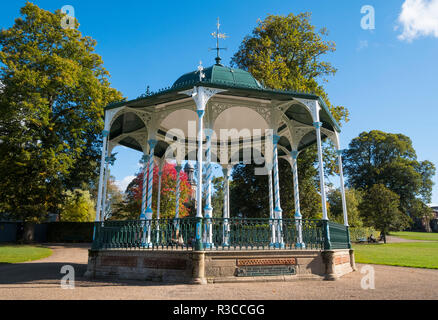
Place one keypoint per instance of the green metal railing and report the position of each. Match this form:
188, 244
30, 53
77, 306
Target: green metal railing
138, 234
220, 234
339, 236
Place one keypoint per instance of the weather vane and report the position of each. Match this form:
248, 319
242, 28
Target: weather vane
218, 36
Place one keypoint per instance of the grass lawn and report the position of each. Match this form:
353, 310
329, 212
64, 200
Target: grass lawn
416, 235
22, 253
405, 254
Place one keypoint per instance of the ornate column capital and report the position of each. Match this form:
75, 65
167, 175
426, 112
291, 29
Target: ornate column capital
317, 125
201, 95
200, 113
152, 143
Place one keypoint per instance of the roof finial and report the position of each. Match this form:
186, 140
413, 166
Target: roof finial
218, 36
201, 71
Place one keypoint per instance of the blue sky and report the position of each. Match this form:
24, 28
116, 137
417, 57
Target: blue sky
387, 83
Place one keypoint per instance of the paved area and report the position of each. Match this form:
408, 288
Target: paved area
41, 280
393, 239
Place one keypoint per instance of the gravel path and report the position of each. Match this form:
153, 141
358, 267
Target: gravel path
394, 239
41, 280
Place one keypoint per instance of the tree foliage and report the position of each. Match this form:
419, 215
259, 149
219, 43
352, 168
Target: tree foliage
51, 112
78, 207
388, 159
130, 208
217, 198
250, 193
380, 208
287, 52
353, 199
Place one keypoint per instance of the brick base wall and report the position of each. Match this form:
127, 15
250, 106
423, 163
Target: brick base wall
220, 266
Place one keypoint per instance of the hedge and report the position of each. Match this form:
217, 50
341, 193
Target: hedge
70, 232
357, 233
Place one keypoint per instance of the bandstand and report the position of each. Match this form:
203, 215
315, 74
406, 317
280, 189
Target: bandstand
220, 115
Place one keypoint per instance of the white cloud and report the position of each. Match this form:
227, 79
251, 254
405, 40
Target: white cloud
122, 185
418, 18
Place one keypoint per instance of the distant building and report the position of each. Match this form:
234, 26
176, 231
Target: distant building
434, 209
189, 170
434, 220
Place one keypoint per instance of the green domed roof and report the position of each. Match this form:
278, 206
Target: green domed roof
221, 75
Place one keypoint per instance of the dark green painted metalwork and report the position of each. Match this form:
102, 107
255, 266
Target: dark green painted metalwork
198, 239
348, 237
240, 234
221, 75
338, 235
326, 234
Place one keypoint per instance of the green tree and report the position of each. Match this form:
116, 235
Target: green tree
353, 199
51, 112
114, 197
217, 199
378, 157
286, 52
250, 193
380, 208
78, 207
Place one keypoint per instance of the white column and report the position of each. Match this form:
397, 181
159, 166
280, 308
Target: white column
149, 211
298, 216
176, 223
105, 186
105, 134
198, 237
160, 174
208, 236
178, 191
199, 164
271, 207
341, 177
145, 159
317, 126
226, 211
143, 197
201, 96
277, 210
228, 192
